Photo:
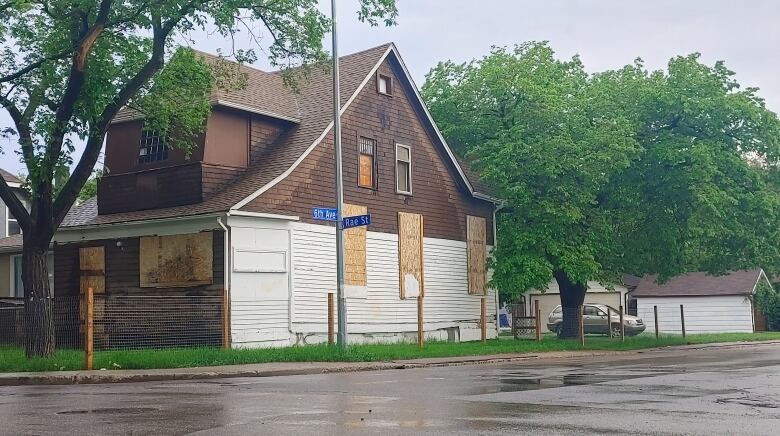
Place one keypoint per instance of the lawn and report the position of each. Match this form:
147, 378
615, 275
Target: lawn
12, 358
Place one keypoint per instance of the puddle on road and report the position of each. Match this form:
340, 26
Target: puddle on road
109, 410
525, 383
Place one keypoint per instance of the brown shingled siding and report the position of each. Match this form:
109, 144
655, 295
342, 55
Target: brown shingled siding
263, 132
122, 269
438, 193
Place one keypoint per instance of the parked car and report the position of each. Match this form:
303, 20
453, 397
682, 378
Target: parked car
595, 321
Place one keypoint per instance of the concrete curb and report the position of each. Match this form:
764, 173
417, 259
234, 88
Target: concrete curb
310, 368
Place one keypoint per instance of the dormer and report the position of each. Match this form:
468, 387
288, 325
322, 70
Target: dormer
146, 171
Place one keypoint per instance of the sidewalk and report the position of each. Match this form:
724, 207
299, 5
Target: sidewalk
307, 368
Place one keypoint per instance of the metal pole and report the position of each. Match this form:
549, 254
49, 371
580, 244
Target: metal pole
342, 303
682, 320
622, 326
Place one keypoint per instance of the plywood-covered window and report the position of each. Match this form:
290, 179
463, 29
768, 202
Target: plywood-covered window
355, 250
403, 169
366, 162
477, 254
410, 255
176, 260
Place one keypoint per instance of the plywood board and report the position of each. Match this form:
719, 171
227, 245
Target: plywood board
355, 249
92, 269
176, 260
410, 255
477, 254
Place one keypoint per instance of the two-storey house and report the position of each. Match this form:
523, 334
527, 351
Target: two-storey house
236, 215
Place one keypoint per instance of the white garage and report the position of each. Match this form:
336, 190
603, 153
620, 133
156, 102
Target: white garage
711, 304
613, 296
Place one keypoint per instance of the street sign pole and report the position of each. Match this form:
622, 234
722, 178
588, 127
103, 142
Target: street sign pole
341, 339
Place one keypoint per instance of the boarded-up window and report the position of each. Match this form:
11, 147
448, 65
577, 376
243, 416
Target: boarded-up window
355, 249
477, 254
92, 269
410, 254
176, 260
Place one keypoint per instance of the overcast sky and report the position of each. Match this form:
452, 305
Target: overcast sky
605, 33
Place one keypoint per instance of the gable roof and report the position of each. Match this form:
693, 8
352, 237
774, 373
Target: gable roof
701, 284
313, 108
11, 244
10, 178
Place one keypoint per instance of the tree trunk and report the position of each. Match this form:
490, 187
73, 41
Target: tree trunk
38, 298
572, 298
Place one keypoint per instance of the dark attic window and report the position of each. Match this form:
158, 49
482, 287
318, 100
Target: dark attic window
153, 147
384, 84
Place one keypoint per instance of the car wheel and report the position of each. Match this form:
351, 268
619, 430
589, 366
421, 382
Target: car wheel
615, 330
557, 330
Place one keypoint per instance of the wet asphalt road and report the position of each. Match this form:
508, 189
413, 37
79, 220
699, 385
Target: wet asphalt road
734, 390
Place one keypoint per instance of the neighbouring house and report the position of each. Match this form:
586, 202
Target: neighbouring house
11, 243
613, 296
711, 304
235, 217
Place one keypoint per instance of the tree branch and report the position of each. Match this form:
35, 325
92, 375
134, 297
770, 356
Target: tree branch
68, 194
22, 129
15, 206
34, 65
75, 82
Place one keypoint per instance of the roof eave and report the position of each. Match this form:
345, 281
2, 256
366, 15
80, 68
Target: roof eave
221, 103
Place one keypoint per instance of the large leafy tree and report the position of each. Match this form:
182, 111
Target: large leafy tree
68, 66
622, 171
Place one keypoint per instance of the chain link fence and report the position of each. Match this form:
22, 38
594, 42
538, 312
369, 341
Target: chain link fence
125, 322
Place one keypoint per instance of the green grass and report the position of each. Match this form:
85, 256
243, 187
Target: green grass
12, 358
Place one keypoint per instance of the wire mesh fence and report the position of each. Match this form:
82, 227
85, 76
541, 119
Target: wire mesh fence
123, 322
16, 323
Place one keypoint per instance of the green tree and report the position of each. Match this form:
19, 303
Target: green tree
68, 66
622, 171
89, 189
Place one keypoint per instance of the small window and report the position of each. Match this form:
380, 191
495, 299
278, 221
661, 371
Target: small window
384, 84
154, 147
403, 169
366, 164
12, 225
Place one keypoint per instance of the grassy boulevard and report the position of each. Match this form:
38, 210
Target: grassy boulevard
12, 358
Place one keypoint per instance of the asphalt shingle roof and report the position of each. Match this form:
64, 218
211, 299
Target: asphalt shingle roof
699, 284
311, 108
8, 177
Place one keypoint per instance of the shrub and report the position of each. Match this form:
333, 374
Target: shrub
768, 301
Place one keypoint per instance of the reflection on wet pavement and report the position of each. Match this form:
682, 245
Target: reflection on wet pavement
709, 391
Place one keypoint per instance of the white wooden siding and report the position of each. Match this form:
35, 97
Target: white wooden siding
259, 294
382, 313
712, 314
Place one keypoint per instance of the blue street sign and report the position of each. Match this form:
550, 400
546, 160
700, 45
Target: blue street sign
324, 214
356, 221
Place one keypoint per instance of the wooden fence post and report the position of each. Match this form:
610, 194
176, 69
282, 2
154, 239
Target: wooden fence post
538, 316
420, 323
331, 317
682, 320
609, 322
622, 326
89, 333
483, 318
582, 326
655, 315
226, 334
